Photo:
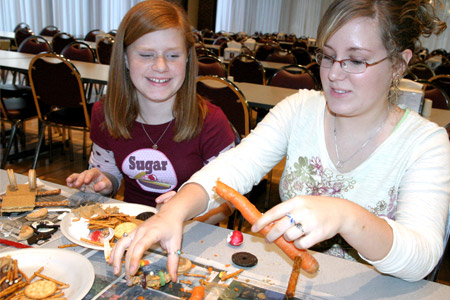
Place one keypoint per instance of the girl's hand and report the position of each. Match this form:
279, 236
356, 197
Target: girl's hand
92, 179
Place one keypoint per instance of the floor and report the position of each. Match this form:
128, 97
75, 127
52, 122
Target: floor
61, 167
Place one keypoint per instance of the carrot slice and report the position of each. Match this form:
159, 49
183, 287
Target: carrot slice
251, 214
198, 293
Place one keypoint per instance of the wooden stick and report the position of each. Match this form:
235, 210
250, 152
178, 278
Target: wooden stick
91, 242
290, 292
195, 275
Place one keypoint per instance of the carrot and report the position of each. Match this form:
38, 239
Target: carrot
290, 292
223, 208
198, 293
252, 214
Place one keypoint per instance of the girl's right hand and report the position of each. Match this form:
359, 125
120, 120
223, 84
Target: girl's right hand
92, 179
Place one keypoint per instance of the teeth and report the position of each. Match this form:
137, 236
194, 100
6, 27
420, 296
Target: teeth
339, 91
158, 80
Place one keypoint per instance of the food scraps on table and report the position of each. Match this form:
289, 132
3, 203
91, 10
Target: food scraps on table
14, 284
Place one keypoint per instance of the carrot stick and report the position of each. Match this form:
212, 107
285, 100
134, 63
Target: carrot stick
252, 214
290, 292
223, 208
198, 293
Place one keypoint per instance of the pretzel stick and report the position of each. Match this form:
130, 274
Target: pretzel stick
24, 276
50, 279
68, 245
226, 277
16, 269
290, 292
91, 242
195, 275
52, 203
12, 288
35, 273
49, 193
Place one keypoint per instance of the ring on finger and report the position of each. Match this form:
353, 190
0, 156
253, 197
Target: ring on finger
178, 252
299, 226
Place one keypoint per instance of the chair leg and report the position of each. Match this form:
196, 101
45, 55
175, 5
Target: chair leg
69, 134
12, 136
84, 145
50, 142
39, 144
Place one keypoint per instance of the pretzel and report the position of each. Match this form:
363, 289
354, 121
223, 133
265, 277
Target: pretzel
290, 292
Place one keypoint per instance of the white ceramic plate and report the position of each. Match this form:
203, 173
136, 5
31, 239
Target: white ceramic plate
57, 263
74, 231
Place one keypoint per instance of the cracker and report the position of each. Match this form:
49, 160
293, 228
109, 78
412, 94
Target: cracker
122, 228
40, 289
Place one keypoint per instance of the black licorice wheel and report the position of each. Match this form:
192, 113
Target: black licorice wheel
244, 259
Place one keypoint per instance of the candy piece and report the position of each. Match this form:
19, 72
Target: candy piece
235, 238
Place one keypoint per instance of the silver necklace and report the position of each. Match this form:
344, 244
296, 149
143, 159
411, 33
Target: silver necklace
155, 144
340, 163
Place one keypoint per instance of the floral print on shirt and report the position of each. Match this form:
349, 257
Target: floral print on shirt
309, 177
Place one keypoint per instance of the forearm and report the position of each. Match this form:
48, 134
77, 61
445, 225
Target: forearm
190, 201
369, 234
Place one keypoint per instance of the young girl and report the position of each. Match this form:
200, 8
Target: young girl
152, 129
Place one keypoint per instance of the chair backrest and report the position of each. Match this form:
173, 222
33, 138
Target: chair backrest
265, 50
35, 44
104, 47
112, 32
294, 77
302, 56
443, 81
79, 50
282, 56
229, 98
61, 40
246, 68
420, 71
21, 34
211, 65
55, 82
49, 30
443, 69
315, 69
21, 25
220, 40
300, 43
436, 93
91, 35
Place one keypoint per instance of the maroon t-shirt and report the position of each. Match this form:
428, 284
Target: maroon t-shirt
149, 173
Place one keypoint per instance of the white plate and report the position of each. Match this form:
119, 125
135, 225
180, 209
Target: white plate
57, 263
74, 231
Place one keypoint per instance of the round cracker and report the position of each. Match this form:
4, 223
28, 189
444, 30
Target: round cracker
184, 265
122, 228
40, 289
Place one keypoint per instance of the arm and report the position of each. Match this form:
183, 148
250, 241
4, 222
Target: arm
244, 166
166, 227
103, 176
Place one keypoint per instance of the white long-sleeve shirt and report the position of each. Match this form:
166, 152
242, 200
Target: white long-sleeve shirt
406, 180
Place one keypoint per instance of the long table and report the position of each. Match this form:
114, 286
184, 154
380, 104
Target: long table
90, 72
206, 246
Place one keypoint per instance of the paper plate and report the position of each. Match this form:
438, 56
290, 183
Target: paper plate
74, 231
63, 265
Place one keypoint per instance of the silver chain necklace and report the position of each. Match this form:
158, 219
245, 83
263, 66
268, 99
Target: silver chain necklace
155, 144
340, 163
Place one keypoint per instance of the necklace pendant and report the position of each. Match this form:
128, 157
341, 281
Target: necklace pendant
155, 147
339, 164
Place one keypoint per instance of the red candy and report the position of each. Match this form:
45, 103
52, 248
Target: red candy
235, 238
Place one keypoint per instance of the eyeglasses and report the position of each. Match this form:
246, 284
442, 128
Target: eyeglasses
349, 65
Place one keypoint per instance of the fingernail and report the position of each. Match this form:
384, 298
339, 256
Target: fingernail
116, 270
132, 269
